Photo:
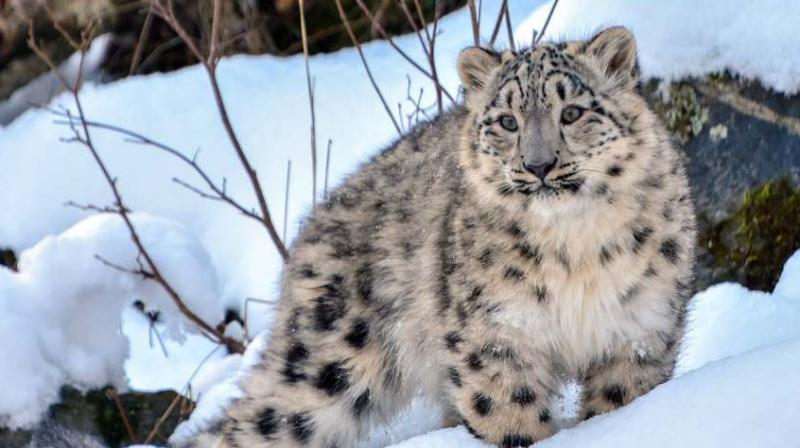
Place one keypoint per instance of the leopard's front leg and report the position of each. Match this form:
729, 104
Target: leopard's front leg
619, 378
501, 391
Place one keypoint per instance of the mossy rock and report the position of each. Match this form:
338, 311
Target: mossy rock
95, 413
752, 245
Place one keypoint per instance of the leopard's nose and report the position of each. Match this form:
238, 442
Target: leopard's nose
540, 170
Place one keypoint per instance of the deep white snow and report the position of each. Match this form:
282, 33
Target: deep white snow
67, 317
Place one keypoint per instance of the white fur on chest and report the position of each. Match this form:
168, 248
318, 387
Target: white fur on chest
584, 317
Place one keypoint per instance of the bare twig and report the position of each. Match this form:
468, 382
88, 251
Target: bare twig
83, 136
137, 52
476, 27
163, 418
111, 393
354, 39
220, 191
509, 29
546, 23
327, 167
286, 199
165, 10
310, 86
388, 38
496, 30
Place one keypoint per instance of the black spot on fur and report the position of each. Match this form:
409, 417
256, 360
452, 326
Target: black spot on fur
601, 189
452, 339
474, 361
629, 294
363, 279
541, 293
605, 255
589, 414
650, 271
640, 236
523, 396
670, 250
528, 252
471, 430
483, 404
302, 427
516, 441
330, 306
563, 257
292, 372
544, 415
514, 274
297, 352
486, 258
560, 90
615, 394
267, 422
358, 334
333, 378
455, 376
361, 403
614, 170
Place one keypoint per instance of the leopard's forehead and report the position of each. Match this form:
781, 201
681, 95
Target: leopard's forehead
529, 72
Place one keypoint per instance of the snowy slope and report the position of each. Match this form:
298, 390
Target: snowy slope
53, 316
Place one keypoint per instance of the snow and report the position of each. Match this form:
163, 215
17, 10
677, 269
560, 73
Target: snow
70, 316
681, 38
61, 318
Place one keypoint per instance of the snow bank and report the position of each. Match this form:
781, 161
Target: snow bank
680, 38
59, 315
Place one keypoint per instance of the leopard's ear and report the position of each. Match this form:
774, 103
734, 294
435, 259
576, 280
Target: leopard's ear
475, 66
614, 49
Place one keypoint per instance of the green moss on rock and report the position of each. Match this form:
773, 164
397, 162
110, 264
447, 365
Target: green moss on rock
683, 114
752, 245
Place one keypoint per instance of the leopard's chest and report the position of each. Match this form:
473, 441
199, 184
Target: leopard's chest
583, 309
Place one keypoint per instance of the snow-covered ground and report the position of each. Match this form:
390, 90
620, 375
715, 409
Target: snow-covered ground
64, 309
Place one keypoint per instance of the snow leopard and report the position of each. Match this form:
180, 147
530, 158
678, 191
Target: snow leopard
540, 231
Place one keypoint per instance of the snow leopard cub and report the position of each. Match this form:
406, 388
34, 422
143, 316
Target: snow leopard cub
544, 230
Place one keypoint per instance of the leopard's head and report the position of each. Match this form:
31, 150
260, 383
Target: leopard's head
555, 125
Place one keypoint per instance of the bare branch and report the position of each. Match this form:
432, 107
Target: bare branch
354, 39
496, 30
111, 393
388, 38
476, 27
509, 29
286, 198
137, 52
165, 9
85, 138
546, 23
327, 167
304, 37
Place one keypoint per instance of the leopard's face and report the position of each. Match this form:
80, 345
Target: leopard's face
552, 125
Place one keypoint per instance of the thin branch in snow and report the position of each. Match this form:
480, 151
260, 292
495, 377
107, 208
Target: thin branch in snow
286, 198
327, 167
247, 307
356, 44
538, 37
509, 29
165, 10
378, 27
83, 136
309, 83
476, 26
112, 395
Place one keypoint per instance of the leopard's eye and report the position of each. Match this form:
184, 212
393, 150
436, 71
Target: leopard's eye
570, 114
509, 123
